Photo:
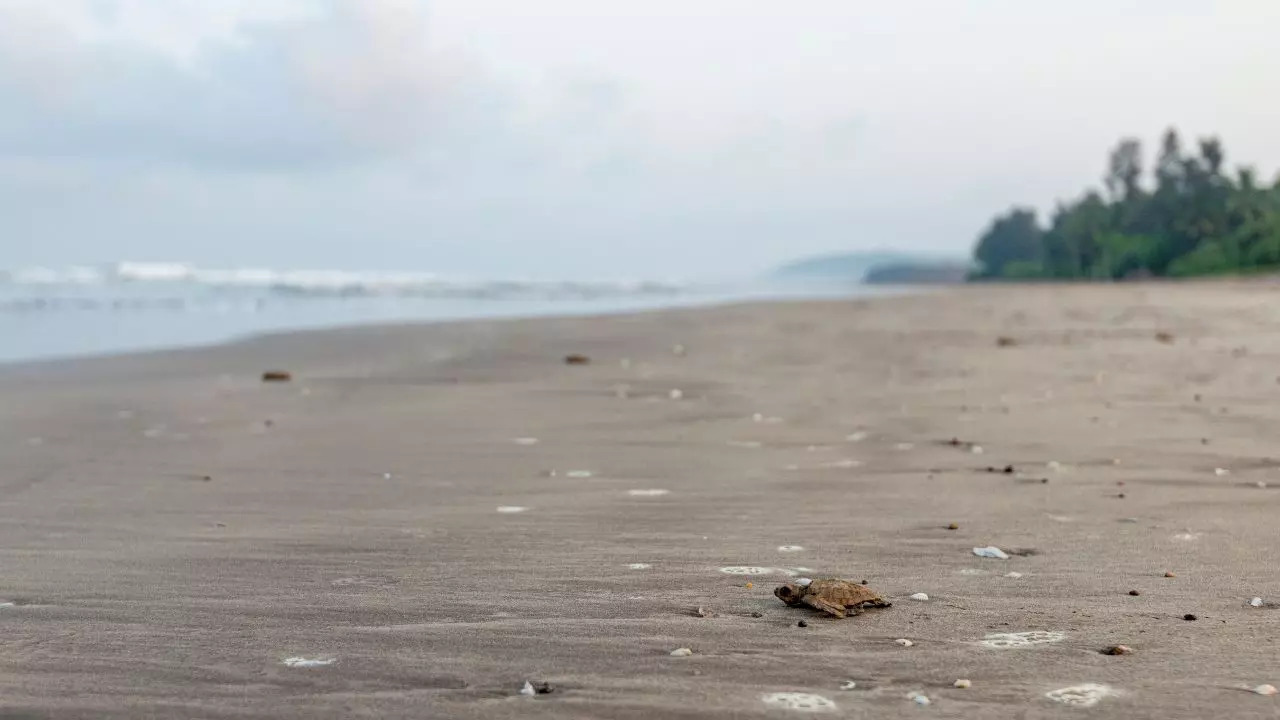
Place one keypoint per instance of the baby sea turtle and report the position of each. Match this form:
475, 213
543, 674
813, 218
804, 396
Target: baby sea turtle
832, 596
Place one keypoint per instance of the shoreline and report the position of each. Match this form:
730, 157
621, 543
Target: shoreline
177, 532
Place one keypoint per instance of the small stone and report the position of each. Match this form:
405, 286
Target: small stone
802, 624
1121, 496
576, 359
1266, 690
750, 585
700, 612
1189, 617
848, 685
544, 688
528, 689
1134, 593
276, 376
1221, 472
920, 597
1170, 575
681, 652
1004, 341
677, 394
920, 699
1117, 650
976, 450
1014, 574
1256, 602
904, 642
962, 684
1008, 470
953, 526
864, 582
757, 614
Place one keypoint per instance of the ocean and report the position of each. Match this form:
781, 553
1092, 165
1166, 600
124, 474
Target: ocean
48, 313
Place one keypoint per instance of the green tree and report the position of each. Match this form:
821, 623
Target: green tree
1195, 220
1012, 241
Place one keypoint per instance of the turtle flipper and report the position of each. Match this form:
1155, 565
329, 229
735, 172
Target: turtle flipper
818, 603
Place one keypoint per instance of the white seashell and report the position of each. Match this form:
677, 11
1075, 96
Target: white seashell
991, 551
1086, 695
1256, 602
309, 662
681, 652
921, 597
1266, 690
800, 702
528, 689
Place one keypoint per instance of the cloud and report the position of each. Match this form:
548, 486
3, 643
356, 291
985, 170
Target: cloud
126, 82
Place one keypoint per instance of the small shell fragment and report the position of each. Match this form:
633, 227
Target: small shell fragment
528, 689
681, 652
848, 685
1266, 690
991, 551
904, 642
920, 597
962, 683
920, 699
1015, 574
1256, 602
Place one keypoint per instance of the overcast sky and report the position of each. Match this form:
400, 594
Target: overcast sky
621, 138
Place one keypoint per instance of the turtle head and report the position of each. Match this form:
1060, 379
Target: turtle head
789, 593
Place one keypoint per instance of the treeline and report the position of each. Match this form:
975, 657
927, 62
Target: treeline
1194, 218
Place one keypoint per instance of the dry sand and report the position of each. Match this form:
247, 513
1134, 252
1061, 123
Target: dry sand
173, 529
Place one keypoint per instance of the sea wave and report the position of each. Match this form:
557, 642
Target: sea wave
181, 280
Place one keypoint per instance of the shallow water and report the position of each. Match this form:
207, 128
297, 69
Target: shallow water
51, 314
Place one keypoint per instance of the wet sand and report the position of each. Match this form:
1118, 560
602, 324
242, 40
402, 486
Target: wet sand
172, 529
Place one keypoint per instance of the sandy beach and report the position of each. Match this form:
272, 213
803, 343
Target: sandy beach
425, 518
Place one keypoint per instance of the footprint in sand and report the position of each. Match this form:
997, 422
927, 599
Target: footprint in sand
1086, 695
1005, 641
799, 702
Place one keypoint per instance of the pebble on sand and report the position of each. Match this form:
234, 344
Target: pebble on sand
528, 690
276, 376
1256, 602
1170, 575
677, 394
681, 652
962, 683
1117, 650
953, 526
904, 642
920, 597
1266, 690
848, 685
1134, 593
920, 698
577, 359
1015, 574
1221, 472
